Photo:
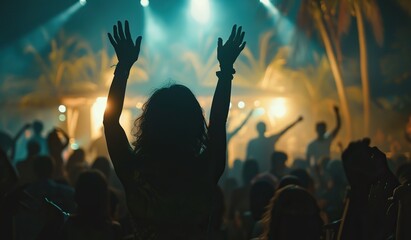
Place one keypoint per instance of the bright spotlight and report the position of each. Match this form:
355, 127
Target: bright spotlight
200, 10
144, 3
278, 108
62, 108
82, 2
260, 111
265, 2
241, 104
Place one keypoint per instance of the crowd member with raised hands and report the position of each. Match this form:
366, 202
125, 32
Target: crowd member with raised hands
372, 183
171, 174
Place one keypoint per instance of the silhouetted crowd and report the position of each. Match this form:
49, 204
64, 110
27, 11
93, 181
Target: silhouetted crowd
173, 181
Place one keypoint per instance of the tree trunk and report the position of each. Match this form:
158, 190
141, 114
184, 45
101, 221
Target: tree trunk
336, 71
363, 67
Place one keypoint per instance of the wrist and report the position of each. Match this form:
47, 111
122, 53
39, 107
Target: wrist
122, 69
227, 68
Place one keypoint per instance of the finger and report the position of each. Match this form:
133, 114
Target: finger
120, 30
238, 34
127, 30
138, 42
220, 42
232, 35
115, 33
242, 46
241, 38
112, 41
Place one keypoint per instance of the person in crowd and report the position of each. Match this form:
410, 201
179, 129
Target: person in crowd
37, 136
228, 172
320, 147
260, 148
45, 187
240, 202
92, 218
292, 214
306, 181
103, 165
289, 180
99, 146
56, 147
171, 175
260, 195
25, 167
8, 144
278, 167
75, 165
372, 184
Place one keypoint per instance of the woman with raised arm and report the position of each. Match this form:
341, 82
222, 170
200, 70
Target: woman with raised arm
171, 174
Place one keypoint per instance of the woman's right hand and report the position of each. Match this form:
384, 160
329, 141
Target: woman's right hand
126, 50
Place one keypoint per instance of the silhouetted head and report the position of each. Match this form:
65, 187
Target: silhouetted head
260, 194
103, 165
292, 214
43, 167
321, 129
33, 148
289, 180
261, 128
37, 127
278, 159
250, 170
92, 195
78, 156
172, 120
305, 179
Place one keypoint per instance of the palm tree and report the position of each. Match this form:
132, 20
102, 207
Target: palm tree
313, 13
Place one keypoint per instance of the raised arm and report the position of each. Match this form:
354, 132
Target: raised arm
235, 131
16, 138
338, 118
227, 53
277, 135
127, 53
66, 138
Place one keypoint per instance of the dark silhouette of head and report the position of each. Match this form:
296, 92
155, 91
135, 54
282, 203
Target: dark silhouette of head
321, 129
261, 128
250, 170
172, 120
92, 195
292, 214
103, 165
54, 143
260, 194
33, 148
37, 127
43, 167
278, 160
305, 179
78, 156
289, 180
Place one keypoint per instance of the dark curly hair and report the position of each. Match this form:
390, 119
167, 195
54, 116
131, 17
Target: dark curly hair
172, 120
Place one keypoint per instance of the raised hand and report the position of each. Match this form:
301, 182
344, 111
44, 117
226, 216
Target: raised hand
127, 50
228, 52
363, 164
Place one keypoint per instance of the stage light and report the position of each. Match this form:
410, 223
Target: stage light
144, 3
259, 111
62, 117
82, 2
230, 105
265, 2
278, 108
241, 104
257, 103
200, 10
62, 108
